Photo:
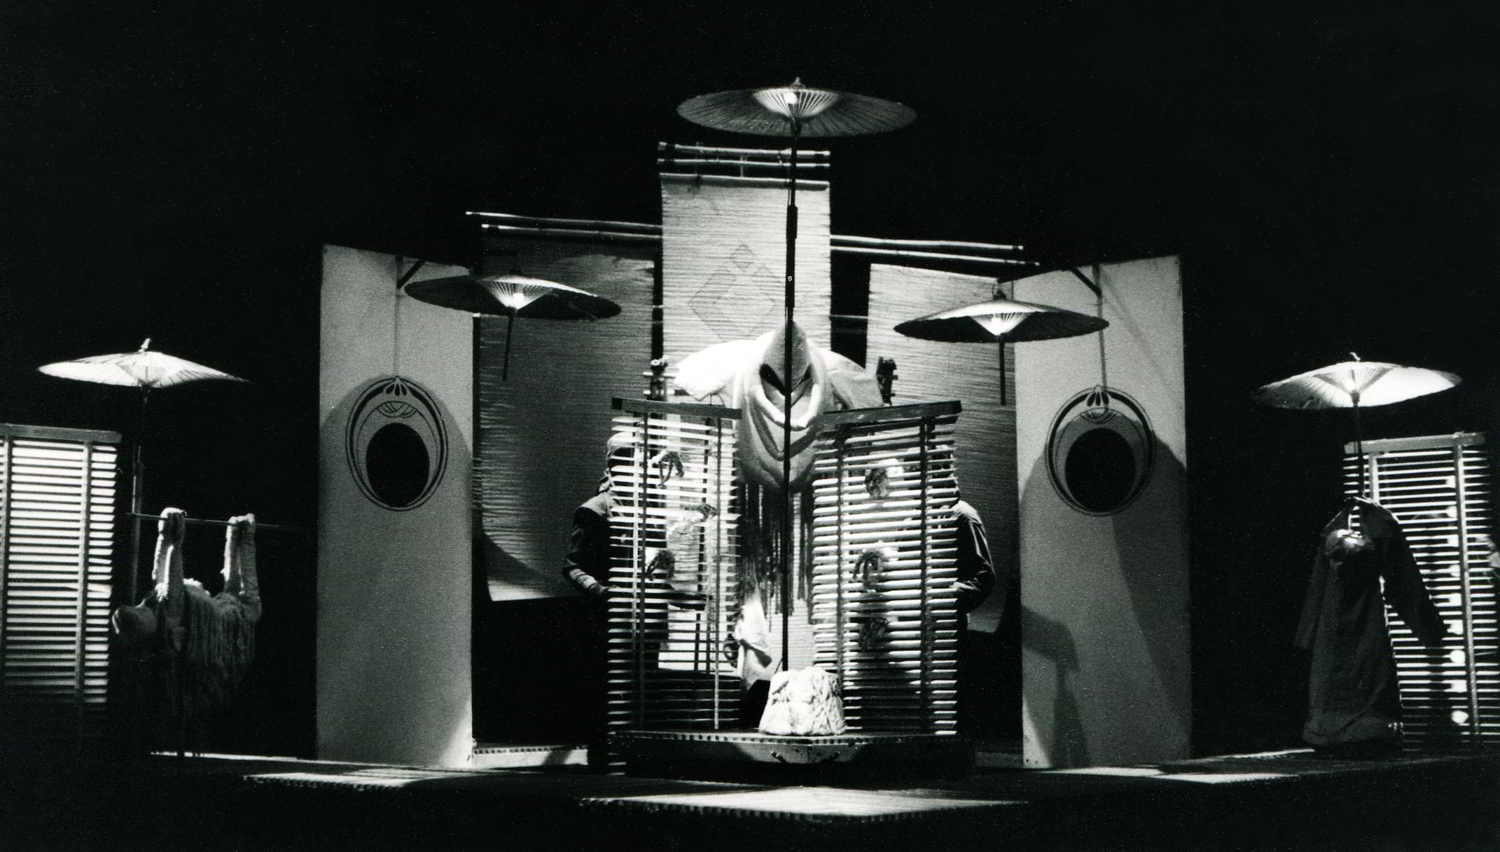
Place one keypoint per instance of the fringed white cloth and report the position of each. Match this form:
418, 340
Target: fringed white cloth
211, 639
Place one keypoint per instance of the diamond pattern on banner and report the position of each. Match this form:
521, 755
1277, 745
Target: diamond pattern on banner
724, 257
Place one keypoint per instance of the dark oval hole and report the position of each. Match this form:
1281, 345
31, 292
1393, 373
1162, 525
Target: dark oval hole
1100, 470
397, 464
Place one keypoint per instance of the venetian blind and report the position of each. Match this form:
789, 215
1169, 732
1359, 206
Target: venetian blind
57, 516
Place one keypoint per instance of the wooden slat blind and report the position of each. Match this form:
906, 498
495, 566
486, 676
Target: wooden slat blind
1438, 488
57, 512
666, 660
888, 624
667, 665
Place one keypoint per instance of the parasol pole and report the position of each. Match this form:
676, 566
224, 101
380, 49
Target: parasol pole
999, 294
788, 384
137, 499
510, 330
1000, 344
1359, 444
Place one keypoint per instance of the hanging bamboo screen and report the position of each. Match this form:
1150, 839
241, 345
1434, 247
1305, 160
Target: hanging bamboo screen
562, 377
673, 572
57, 512
884, 544
723, 244
1438, 488
930, 369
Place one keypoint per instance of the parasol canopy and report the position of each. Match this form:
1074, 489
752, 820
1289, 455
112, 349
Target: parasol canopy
143, 368
1003, 320
147, 370
795, 110
512, 296
1354, 384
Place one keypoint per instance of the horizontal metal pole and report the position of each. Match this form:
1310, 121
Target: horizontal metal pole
210, 522
750, 152
740, 164
554, 220
569, 233
686, 177
884, 242
929, 255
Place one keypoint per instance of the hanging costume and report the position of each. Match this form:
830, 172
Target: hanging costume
747, 374
1352, 688
200, 646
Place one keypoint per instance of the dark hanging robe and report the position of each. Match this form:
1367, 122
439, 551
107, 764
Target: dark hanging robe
1352, 690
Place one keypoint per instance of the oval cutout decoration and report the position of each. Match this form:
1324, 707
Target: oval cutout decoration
1099, 451
396, 443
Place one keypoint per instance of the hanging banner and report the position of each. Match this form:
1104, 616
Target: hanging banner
723, 243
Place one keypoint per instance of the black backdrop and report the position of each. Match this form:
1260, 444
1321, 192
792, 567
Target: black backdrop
1328, 177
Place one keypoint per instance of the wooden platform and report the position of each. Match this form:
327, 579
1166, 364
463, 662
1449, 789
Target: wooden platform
750, 755
1290, 799
528, 755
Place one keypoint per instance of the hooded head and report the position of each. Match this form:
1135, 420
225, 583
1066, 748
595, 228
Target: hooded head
763, 394
752, 375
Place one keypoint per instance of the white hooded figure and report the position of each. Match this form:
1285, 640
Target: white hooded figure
747, 374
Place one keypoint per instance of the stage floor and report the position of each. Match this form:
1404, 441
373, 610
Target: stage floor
1276, 800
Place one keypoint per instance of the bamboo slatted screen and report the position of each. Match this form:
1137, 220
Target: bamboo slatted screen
57, 516
1438, 488
519, 416
884, 611
668, 627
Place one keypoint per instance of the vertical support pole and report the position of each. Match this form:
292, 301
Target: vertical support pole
716, 605
6, 477
638, 563
790, 301
841, 448
1466, 590
925, 430
658, 319
702, 663
81, 611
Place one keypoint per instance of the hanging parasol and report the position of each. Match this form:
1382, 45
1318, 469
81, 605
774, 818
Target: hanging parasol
795, 110
144, 368
1354, 384
147, 370
1001, 321
512, 296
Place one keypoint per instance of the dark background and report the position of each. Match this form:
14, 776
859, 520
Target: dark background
1329, 177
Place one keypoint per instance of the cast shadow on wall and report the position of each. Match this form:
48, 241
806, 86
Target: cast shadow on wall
393, 655
1051, 640
1158, 608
